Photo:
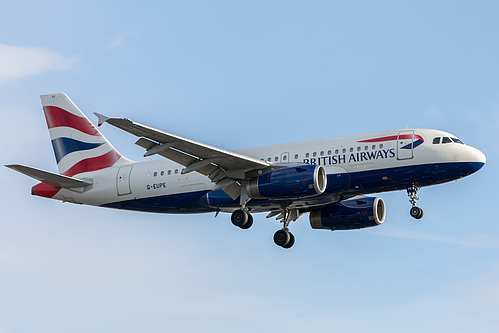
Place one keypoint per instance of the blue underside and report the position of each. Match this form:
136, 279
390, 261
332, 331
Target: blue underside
363, 182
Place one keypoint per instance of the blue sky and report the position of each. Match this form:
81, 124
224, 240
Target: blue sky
236, 75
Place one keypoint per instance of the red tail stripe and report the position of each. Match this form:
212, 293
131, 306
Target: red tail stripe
57, 117
44, 190
394, 137
94, 163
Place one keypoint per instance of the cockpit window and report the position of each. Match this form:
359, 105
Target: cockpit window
437, 140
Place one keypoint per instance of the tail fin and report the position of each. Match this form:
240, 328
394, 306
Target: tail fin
78, 146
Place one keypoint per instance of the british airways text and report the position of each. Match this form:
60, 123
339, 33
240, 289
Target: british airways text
353, 157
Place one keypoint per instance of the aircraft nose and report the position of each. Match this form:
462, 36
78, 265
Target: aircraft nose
476, 158
475, 155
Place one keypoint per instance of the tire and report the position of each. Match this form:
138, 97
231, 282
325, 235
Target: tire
239, 218
291, 241
248, 223
416, 212
282, 238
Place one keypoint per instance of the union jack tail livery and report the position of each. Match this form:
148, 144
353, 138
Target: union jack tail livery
78, 146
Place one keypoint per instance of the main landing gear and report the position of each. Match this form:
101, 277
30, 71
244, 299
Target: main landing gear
412, 192
284, 238
242, 219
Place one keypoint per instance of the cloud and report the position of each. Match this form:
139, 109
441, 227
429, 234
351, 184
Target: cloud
118, 40
20, 62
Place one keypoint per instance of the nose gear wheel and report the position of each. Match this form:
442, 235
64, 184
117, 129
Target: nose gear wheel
416, 212
412, 192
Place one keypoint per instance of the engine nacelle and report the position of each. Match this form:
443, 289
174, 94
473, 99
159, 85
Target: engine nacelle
357, 213
295, 182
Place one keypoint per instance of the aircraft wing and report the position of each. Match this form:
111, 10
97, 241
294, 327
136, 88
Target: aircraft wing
221, 166
48, 177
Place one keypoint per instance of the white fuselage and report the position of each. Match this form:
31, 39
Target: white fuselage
358, 164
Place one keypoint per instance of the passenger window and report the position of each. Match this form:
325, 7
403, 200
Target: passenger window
176, 171
381, 146
276, 158
307, 155
322, 153
336, 152
329, 152
358, 148
269, 159
436, 141
366, 148
155, 174
374, 147
344, 150
284, 158
169, 172
162, 173
314, 154
446, 140
351, 150
296, 156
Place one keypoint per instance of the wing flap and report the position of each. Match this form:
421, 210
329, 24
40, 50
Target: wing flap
49, 178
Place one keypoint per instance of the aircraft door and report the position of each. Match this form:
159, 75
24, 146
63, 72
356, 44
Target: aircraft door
123, 180
285, 158
405, 145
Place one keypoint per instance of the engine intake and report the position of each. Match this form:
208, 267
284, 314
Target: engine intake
295, 182
358, 213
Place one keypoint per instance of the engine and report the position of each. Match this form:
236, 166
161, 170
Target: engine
295, 182
357, 213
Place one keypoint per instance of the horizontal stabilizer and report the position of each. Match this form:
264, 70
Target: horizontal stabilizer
48, 177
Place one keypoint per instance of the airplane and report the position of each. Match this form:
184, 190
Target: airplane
327, 178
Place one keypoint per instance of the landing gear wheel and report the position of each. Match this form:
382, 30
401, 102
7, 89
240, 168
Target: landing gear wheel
239, 218
284, 238
248, 223
291, 241
416, 212
281, 237
412, 192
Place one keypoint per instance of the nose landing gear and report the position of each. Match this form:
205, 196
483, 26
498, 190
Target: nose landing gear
416, 212
412, 192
